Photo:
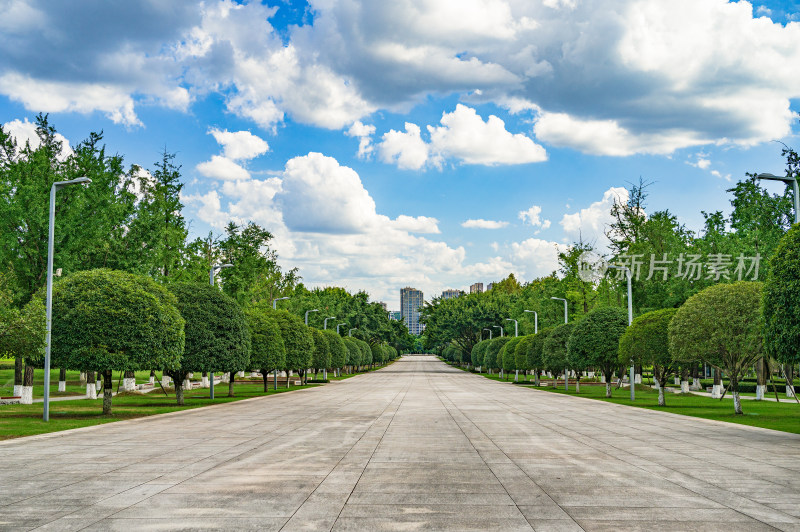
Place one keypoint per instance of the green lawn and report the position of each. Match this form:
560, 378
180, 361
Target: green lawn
766, 414
26, 420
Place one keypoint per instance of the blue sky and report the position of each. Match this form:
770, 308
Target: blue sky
430, 143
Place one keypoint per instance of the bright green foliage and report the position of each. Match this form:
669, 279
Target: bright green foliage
646, 343
521, 353
721, 325
267, 352
554, 349
217, 335
491, 358
478, 351
378, 355
366, 353
461, 319
22, 333
536, 348
321, 355
353, 352
337, 348
106, 320
595, 340
782, 301
509, 354
297, 340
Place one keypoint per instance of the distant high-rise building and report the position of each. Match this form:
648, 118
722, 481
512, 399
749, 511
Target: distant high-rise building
382, 304
476, 288
410, 303
489, 286
395, 315
450, 293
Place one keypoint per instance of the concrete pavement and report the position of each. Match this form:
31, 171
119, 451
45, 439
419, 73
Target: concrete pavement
416, 446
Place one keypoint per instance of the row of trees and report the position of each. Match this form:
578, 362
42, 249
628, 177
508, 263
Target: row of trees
106, 320
755, 232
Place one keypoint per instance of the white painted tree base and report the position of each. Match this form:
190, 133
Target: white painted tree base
656, 385
716, 391
17, 390
204, 382
790, 391
240, 373
129, 384
637, 379
602, 379
677, 380
254, 375
98, 385
83, 377
684, 386
695, 384
187, 384
62, 386
152, 381
760, 391
26, 396
91, 390
165, 382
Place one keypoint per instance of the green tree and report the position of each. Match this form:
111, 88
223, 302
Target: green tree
721, 325
508, 354
554, 350
353, 353
521, 353
536, 352
338, 350
490, 357
646, 343
297, 340
321, 355
595, 339
478, 351
216, 331
267, 352
105, 320
782, 302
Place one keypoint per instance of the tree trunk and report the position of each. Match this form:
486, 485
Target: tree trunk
62, 380
19, 370
108, 386
661, 401
230, 384
178, 377
608, 377
761, 379
265, 376
26, 396
91, 385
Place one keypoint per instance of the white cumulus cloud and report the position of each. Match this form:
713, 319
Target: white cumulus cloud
483, 224
239, 145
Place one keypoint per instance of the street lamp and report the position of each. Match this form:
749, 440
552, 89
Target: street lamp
795, 188
499, 327
630, 318
516, 326
325, 321
312, 310
535, 321
566, 320
274, 302
350, 332
490, 333
211, 274
49, 304
339, 325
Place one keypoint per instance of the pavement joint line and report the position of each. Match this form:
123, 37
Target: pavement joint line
404, 392
624, 456
438, 396
366, 430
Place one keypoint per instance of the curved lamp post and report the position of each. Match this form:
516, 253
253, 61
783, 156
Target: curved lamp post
630, 317
275, 302
49, 303
312, 310
325, 321
535, 321
566, 320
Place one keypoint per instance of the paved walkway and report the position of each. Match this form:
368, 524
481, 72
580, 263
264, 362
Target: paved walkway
417, 445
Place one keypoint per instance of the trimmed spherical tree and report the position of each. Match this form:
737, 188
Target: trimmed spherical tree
217, 335
366, 353
521, 353
781, 301
535, 352
646, 343
353, 353
595, 339
478, 352
106, 320
377, 353
337, 349
721, 325
554, 350
297, 340
491, 358
321, 355
509, 355
267, 352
